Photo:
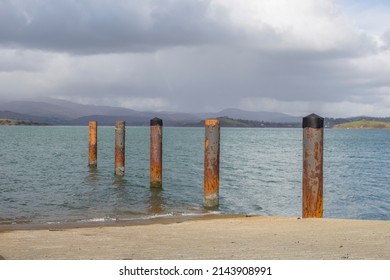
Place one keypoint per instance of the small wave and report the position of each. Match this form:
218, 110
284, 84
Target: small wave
53, 223
98, 220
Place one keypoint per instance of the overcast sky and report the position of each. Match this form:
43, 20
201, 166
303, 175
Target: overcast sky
292, 56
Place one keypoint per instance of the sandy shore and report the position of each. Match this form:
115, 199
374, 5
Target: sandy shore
220, 237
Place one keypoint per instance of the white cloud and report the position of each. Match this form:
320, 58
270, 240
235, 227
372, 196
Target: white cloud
303, 25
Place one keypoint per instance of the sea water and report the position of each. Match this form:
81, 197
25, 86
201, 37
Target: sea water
45, 178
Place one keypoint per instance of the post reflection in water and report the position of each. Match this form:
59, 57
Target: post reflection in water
156, 201
120, 182
92, 177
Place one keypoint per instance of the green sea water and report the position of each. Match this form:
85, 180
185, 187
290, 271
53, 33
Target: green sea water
45, 178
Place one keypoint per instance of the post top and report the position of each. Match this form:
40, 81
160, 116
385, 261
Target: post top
212, 122
120, 123
156, 121
313, 121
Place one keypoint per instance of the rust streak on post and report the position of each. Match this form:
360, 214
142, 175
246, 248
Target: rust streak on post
211, 163
156, 153
92, 144
120, 148
312, 180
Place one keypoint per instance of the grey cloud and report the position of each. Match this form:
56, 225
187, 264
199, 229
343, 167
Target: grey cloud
188, 53
386, 39
212, 78
21, 60
103, 26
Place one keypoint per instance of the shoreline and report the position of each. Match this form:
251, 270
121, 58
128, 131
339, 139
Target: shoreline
163, 220
208, 237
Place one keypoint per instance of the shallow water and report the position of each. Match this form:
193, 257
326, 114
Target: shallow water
44, 177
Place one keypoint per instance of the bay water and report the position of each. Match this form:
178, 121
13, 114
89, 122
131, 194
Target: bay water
45, 178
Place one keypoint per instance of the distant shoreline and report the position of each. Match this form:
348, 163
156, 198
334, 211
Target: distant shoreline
226, 122
364, 125
120, 223
359, 128
13, 122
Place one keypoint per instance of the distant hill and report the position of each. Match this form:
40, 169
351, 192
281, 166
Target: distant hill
50, 107
230, 122
62, 112
260, 116
37, 119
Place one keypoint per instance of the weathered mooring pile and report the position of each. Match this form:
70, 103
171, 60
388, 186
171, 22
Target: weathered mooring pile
312, 177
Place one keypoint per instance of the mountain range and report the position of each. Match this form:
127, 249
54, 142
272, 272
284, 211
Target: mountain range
61, 112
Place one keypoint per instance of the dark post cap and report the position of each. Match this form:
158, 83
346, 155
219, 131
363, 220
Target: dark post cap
156, 121
313, 121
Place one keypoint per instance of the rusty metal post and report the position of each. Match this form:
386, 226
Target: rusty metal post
156, 153
92, 144
211, 163
312, 179
120, 148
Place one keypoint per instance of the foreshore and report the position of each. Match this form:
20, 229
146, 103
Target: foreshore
225, 237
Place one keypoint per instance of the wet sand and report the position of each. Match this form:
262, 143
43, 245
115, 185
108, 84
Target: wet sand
214, 237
